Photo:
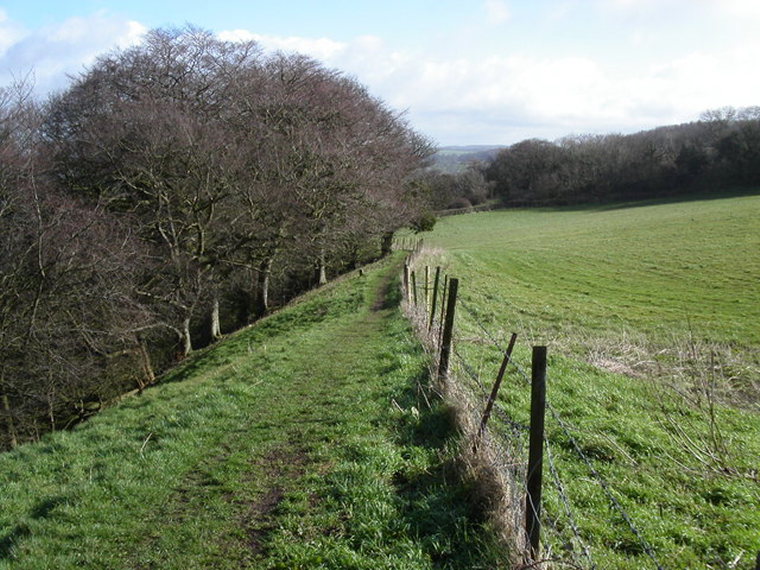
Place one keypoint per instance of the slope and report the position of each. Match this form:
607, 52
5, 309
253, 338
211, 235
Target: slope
650, 313
299, 442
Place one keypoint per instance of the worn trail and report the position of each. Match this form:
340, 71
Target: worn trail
301, 442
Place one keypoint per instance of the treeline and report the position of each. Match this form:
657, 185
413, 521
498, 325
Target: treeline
454, 191
720, 151
177, 190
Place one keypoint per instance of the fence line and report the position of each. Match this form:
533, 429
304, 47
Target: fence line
604, 484
566, 504
438, 329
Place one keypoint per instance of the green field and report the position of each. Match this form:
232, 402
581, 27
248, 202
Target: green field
301, 442
658, 269
651, 316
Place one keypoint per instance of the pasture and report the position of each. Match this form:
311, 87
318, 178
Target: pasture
661, 269
651, 313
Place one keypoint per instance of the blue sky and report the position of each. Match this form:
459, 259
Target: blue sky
475, 72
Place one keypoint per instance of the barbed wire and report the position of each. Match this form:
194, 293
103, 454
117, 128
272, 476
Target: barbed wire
475, 318
518, 430
500, 412
605, 486
512, 361
473, 291
566, 503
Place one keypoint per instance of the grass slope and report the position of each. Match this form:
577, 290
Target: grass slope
667, 278
656, 268
297, 443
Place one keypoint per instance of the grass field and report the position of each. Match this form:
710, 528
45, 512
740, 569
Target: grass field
657, 269
651, 315
297, 443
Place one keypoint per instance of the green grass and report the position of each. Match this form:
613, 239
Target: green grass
666, 292
297, 443
655, 268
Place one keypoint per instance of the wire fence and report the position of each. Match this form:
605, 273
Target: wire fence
563, 542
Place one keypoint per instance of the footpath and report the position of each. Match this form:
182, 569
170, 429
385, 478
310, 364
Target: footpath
306, 441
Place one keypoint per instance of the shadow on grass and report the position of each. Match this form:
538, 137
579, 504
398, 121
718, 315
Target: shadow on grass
21, 531
7, 542
443, 510
655, 201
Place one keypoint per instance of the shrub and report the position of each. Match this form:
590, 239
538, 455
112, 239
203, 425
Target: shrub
425, 223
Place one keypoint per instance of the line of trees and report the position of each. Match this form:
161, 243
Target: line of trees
720, 151
457, 190
176, 190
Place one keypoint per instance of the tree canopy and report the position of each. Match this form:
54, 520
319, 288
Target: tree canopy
176, 189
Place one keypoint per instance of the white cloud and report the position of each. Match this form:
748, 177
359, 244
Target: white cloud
637, 5
505, 98
469, 98
497, 11
320, 48
744, 8
10, 32
54, 51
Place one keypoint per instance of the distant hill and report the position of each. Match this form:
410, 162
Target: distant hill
453, 159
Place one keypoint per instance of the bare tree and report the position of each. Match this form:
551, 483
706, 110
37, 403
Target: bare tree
139, 199
141, 132
67, 321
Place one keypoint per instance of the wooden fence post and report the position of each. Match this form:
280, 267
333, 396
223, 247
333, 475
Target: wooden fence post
448, 329
444, 298
536, 451
427, 288
495, 390
414, 287
407, 292
435, 296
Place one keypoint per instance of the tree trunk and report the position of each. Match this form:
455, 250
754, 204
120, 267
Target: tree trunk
322, 268
386, 245
10, 426
216, 329
187, 343
150, 375
262, 299
51, 411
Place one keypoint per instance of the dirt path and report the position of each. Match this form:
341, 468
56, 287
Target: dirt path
321, 386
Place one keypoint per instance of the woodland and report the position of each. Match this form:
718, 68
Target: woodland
718, 153
176, 191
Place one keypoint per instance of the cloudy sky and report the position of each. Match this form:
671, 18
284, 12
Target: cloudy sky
466, 72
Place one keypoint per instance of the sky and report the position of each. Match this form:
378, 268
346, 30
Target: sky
489, 72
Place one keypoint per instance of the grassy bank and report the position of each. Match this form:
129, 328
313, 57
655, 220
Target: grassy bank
650, 313
299, 442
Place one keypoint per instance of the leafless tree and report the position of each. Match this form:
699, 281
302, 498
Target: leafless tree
168, 174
